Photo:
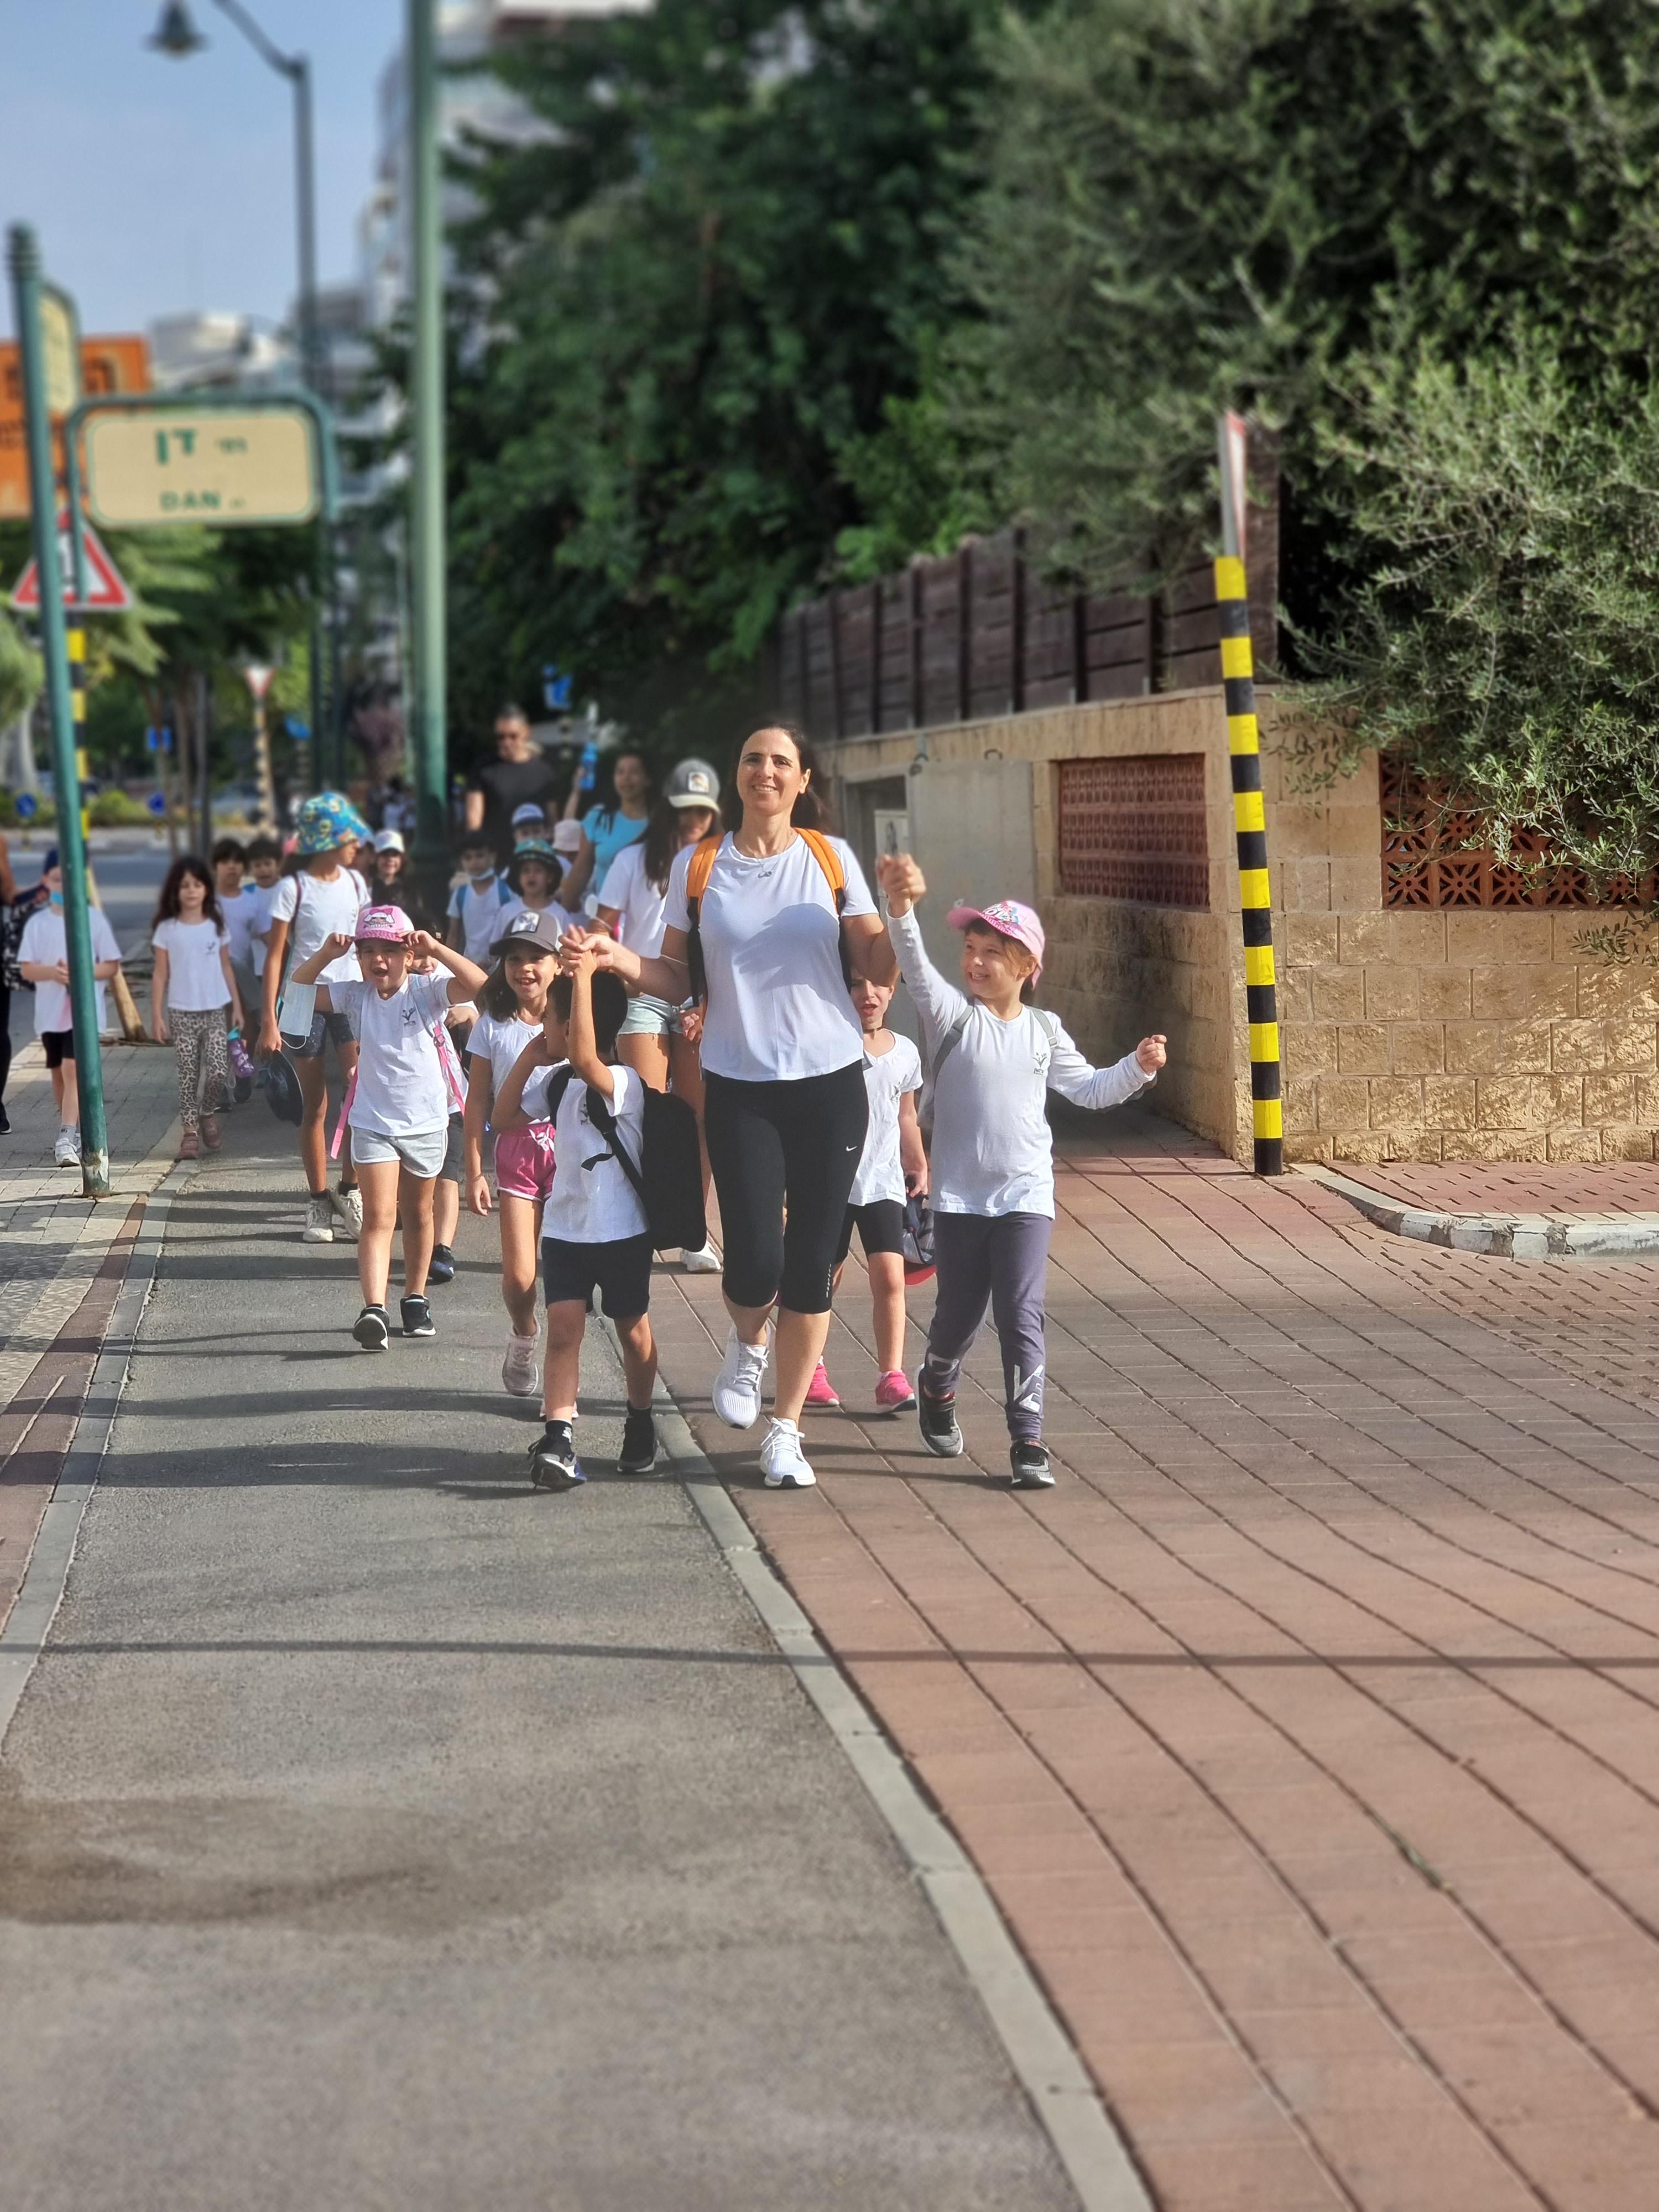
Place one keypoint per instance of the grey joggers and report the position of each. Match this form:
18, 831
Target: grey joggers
1000, 1260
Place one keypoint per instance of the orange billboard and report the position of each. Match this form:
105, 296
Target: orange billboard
107, 365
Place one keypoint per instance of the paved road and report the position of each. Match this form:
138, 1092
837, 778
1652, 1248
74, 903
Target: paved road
376, 1832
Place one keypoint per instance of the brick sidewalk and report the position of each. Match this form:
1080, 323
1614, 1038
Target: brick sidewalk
1501, 1187
1305, 1734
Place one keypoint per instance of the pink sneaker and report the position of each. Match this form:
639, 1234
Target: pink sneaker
894, 1394
821, 1391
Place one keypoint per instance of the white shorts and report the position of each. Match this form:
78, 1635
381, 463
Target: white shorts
421, 1151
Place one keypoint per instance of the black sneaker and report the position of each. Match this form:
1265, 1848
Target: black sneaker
5, 1119
553, 1461
372, 1329
442, 1269
1030, 1464
937, 1419
638, 1455
416, 1315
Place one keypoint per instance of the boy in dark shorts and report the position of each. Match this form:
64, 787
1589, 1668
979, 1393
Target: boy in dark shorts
594, 1232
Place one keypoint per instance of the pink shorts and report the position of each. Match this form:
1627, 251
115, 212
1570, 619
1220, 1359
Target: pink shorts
524, 1162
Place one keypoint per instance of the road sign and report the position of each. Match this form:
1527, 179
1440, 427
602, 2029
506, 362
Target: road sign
156, 804
27, 805
108, 365
158, 741
201, 465
106, 588
258, 678
60, 346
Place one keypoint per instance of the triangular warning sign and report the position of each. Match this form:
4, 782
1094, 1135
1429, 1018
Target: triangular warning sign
106, 588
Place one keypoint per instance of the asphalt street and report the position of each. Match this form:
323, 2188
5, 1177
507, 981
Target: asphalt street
377, 1832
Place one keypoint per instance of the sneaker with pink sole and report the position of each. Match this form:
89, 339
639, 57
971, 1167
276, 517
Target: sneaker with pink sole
821, 1391
894, 1394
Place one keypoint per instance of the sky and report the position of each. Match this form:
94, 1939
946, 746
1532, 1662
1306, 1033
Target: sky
157, 185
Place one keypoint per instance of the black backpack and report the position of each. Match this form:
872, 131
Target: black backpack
668, 1179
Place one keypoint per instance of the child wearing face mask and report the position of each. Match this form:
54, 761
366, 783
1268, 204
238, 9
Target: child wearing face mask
43, 960
995, 1058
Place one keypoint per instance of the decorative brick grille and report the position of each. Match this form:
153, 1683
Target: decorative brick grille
1135, 829
1433, 855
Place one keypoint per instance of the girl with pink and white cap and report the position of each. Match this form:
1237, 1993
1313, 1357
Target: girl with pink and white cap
995, 1058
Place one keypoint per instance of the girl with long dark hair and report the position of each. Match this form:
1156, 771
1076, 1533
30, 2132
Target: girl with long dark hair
194, 984
607, 829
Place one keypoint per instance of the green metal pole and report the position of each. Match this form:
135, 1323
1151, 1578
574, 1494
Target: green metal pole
25, 260
427, 722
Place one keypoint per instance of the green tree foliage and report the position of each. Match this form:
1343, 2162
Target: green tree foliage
710, 293
1198, 203
21, 673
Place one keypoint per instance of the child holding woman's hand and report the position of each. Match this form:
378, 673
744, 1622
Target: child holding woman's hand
994, 1058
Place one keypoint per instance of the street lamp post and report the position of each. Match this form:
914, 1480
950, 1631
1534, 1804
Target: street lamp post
176, 35
427, 549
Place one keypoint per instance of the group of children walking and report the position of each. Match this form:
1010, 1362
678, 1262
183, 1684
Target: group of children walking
554, 1102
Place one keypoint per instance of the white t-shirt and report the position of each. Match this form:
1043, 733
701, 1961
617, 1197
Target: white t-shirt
46, 940
643, 908
591, 1204
993, 1149
196, 975
887, 1076
484, 914
258, 898
239, 923
778, 1007
500, 1042
316, 908
401, 1090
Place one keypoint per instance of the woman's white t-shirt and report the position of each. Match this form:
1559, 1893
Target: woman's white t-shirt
317, 909
592, 1201
887, 1076
402, 1091
778, 1006
500, 1042
643, 908
196, 975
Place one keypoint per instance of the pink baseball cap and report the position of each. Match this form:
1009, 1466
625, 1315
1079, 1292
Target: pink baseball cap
383, 924
1009, 918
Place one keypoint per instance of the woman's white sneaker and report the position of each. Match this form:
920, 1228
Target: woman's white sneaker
782, 1460
706, 1261
519, 1368
738, 1386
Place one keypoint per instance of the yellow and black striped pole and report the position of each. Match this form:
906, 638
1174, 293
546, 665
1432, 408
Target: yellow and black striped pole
1249, 814
77, 641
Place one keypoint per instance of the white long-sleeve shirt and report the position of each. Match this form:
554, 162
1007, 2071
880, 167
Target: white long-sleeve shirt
993, 1150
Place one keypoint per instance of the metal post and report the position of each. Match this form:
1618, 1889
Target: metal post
1249, 814
426, 550
24, 259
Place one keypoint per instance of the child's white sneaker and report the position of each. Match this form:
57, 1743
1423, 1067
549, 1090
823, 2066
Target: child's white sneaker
66, 1153
736, 1391
519, 1368
319, 1220
782, 1460
706, 1261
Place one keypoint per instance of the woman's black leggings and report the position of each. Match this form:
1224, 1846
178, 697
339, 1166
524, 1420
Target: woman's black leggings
776, 1145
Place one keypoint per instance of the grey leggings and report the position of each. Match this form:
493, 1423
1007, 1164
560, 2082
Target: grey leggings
201, 1042
1000, 1260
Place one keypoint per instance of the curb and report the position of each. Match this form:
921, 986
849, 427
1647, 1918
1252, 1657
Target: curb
1067, 2105
52, 1552
1505, 1236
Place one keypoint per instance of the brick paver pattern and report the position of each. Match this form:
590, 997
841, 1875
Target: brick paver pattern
1560, 1188
1306, 1733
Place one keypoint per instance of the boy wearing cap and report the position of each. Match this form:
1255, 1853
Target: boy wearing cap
481, 908
398, 1106
995, 1058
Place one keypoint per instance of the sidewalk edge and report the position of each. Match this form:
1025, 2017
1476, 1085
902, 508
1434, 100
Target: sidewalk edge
1501, 1236
1069, 2106
52, 1553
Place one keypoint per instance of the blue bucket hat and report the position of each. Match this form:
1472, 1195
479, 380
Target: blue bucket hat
328, 822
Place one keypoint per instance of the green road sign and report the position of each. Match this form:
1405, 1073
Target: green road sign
201, 465
60, 349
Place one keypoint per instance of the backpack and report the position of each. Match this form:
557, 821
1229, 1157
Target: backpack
667, 1178
14, 920
696, 882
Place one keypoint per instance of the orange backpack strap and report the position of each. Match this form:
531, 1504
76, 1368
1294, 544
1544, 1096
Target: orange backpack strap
830, 860
696, 882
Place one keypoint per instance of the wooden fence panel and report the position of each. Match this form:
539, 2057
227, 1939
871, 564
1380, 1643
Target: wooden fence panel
899, 704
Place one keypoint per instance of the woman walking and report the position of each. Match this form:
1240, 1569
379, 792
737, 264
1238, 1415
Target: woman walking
607, 829
759, 924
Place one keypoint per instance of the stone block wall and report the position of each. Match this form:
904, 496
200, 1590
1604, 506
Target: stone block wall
1464, 1034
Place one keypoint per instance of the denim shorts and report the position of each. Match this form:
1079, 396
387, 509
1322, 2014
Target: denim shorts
648, 1016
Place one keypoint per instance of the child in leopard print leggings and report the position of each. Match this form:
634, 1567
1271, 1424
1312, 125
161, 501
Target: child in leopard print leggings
194, 985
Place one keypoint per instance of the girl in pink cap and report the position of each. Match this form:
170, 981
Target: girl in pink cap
995, 1058
398, 1106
